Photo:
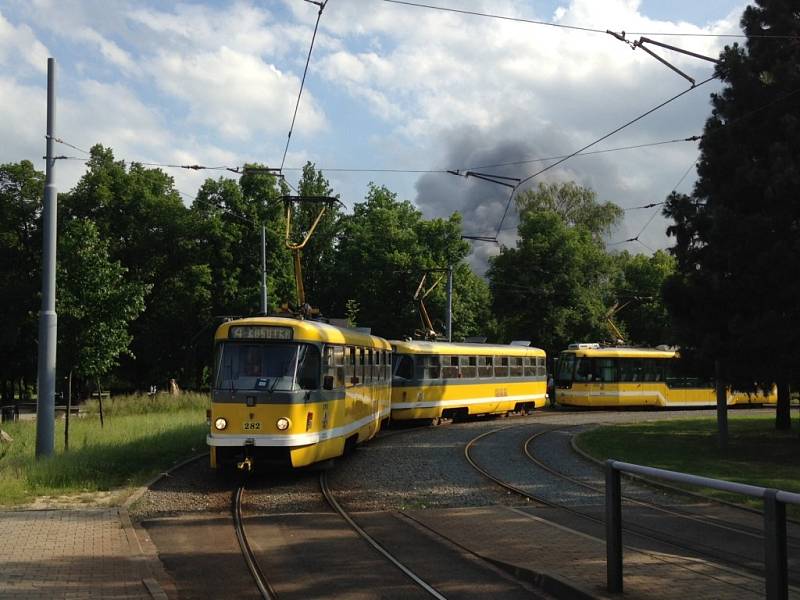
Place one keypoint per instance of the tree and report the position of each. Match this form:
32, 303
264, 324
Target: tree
637, 290
21, 192
733, 299
384, 248
554, 286
96, 303
318, 256
141, 216
577, 206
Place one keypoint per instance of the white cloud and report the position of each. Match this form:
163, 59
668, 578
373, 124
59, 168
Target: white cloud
20, 43
110, 51
237, 94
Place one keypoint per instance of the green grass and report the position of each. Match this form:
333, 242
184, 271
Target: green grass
142, 436
757, 454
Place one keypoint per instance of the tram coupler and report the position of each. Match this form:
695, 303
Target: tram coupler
245, 465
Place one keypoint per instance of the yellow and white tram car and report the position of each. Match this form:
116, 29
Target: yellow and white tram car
295, 392
435, 380
589, 375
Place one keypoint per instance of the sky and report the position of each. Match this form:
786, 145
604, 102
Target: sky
389, 87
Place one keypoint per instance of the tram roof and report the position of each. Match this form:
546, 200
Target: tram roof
622, 352
423, 347
307, 331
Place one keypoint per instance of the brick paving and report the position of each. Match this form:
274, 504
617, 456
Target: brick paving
72, 554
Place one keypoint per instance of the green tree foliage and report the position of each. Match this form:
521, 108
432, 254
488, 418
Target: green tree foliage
734, 297
637, 289
96, 304
554, 287
577, 206
151, 233
383, 250
21, 192
317, 258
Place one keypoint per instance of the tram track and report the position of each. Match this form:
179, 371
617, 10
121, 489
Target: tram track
265, 588
262, 583
733, 562
334, 504
711, 522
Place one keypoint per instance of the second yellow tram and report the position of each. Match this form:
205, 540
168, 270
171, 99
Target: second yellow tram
440, 380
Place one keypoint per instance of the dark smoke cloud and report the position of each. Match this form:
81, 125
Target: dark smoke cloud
628, 178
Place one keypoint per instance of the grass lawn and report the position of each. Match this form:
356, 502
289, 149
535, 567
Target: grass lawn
757, 454
142, 436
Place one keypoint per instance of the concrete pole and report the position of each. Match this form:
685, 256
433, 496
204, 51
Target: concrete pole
450, 303
263, 270
48, 320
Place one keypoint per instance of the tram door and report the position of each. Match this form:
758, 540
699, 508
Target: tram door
607, 388
583, 390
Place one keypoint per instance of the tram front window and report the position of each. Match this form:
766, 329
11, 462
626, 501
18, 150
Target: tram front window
267, 367
566, 367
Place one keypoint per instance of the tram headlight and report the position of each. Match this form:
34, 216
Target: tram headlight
282, 424
220, 423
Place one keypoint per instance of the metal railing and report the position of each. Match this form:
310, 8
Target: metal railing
775, 501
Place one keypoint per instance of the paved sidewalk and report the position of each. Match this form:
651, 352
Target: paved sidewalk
73, 554
573, 565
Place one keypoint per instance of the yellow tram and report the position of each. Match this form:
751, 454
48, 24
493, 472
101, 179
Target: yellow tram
435, 380
589, 375
295, 392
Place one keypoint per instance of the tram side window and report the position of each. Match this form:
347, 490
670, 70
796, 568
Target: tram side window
419, 367
433, 367
360, 372
583, 369
485, 366
501, 366
450, 367
631, 369
541, 367
516, 366
403, 366
350, 365
331, 365
368, 366
653, 369
529, 366
607, 370
469, 366
308, 367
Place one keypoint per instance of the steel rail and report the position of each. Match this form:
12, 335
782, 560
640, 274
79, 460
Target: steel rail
630, 499
640, 531
264, 587
326, 492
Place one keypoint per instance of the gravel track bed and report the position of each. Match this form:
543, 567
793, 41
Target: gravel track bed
419, 468
412, 468
196, 488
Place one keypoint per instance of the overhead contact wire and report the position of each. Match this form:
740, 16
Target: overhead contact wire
303, 80
579, 28
597, 141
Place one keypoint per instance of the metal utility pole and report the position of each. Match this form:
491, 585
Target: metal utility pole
48, 320
263, 270
450, 303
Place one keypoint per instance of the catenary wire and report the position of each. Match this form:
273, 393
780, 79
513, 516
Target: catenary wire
597, 141
579, 28
303, 81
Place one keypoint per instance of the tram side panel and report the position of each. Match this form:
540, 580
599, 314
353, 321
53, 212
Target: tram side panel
436, 386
